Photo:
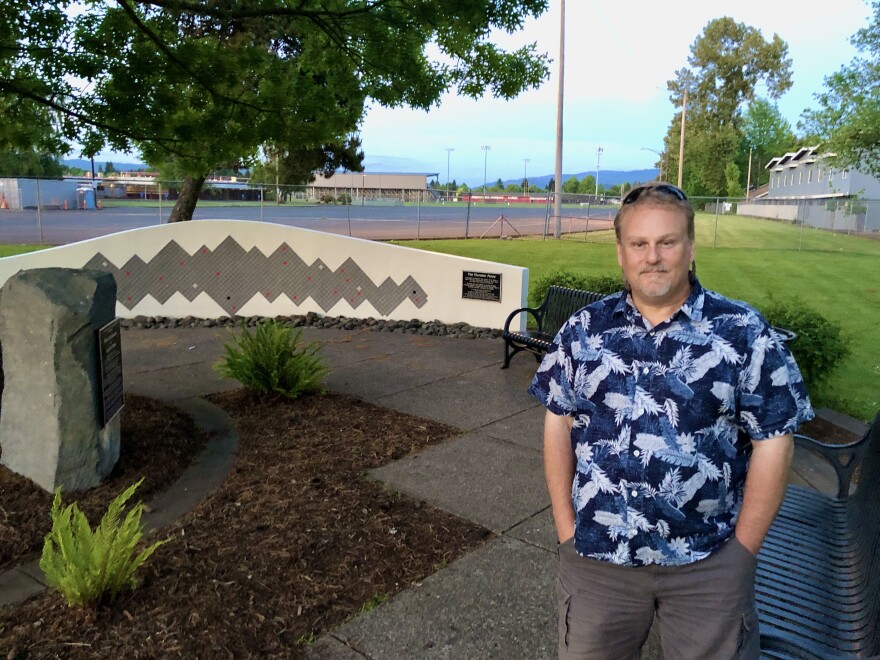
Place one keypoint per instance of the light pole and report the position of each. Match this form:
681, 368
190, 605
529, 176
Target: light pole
557, 181
449, 151
661, 159
684, 105
486, 149
598, 159
526, 175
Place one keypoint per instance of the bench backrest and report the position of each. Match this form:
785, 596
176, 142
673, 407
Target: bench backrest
865, 522
561, 302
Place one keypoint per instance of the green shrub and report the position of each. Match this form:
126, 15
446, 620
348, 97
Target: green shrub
597, 283
88, 566
270, 361
819, 347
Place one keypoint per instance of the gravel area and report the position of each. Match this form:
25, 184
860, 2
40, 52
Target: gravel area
413, 326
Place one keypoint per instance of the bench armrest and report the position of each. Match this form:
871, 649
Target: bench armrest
843, 458
537, 312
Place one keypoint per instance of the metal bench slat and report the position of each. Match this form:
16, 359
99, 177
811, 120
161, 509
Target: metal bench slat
818, 580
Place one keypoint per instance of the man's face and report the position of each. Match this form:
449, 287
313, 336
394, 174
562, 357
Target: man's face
655, 253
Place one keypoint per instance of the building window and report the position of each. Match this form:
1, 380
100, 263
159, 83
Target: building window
800, 177
810, 175
819, 175
843, 174
831, 174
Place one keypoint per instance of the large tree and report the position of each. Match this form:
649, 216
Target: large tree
847, 119
766, 134
195, 86
727, 63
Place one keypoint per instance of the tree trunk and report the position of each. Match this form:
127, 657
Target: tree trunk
187, 200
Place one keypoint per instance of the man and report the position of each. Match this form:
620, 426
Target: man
667, 444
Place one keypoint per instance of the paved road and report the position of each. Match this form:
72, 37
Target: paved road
57, 227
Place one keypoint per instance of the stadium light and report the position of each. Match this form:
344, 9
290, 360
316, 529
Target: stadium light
449, 151
486, 149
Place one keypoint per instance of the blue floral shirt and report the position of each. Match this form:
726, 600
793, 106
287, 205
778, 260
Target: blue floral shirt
663, 421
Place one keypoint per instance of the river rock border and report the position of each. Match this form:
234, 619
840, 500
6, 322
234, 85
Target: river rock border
313, 320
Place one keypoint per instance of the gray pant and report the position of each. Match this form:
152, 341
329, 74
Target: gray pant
703, 610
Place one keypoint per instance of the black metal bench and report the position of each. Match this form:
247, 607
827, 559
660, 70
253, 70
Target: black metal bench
818, 580
559, 304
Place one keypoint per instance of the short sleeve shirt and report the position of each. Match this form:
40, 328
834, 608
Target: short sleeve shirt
663, 421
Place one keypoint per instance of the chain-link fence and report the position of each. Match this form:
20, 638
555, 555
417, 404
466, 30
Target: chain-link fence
830, 224
55, 212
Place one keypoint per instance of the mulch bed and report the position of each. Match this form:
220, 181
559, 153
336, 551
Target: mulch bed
295, 541
825, 431
157, 442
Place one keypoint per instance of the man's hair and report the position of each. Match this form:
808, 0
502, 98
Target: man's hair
655, 194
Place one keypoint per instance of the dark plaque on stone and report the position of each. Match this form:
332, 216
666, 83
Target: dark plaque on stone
110, 351
481, 286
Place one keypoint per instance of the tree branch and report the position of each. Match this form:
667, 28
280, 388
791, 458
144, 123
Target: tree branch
291, 12
9, 87
163, 47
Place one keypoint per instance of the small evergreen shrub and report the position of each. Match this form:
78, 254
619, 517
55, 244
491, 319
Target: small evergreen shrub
598, 283
819, 347
271, 361
606, 284
87, 566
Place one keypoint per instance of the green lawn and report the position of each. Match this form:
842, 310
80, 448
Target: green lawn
11, 250
843, 285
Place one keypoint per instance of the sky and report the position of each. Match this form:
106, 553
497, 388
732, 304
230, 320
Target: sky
618, 59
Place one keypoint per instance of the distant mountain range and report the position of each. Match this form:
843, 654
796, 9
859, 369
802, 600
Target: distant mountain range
606, 177
86, 164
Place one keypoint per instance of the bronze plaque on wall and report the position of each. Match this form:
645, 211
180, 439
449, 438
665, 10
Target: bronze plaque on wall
481, 286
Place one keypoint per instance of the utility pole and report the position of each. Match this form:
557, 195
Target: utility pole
526, 175
557, 196
749, 175
684, 105
449, 151
598, 160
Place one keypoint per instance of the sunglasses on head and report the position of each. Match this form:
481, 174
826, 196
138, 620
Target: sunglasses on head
665, 188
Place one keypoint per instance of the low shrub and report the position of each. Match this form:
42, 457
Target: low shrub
270, 360
88, 567
598, 283
820, 345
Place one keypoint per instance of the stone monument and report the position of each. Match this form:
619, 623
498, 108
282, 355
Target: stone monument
51, 421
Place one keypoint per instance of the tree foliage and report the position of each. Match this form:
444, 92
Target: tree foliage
571, 185
728, 63
195, 86
847, 118
767, 134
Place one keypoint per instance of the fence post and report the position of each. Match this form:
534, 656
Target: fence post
39, 212
546, 217
159, 188
467, 220
803, 218
715, 237
261, 202
419, 217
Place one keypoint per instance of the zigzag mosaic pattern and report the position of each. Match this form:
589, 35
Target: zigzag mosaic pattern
232, 276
